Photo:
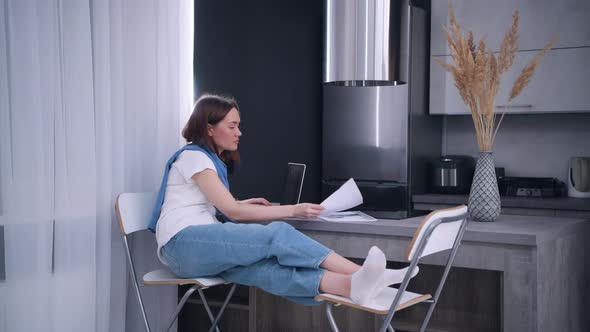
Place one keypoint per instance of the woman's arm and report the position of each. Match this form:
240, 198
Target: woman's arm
260, 201
222, 199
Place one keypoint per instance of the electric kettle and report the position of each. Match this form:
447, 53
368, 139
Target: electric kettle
578, 179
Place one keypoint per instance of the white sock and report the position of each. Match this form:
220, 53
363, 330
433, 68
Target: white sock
392, 277
364, 281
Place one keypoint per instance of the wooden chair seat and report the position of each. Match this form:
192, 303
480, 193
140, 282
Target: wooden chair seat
379, 304
166, 277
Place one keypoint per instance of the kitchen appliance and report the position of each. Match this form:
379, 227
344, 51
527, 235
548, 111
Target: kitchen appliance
375, 123
499, 173
452, 174
530, 187
578, 179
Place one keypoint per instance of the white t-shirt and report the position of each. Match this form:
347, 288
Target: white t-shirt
184, 202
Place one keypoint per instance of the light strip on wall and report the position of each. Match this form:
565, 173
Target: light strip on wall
377, 118
366, 40
328, 41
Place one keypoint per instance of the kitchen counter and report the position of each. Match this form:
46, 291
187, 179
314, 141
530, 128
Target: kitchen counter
555, 203
507, 229
537, 270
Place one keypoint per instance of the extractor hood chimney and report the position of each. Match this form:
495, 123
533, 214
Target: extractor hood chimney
366, 42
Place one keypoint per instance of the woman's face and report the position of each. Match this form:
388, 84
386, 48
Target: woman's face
226, 133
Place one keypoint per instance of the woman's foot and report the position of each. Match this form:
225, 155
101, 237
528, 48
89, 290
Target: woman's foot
365, 281
392, 277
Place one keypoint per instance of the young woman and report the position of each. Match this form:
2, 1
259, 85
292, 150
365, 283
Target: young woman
276, 257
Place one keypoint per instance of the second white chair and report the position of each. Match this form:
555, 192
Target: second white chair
440, 230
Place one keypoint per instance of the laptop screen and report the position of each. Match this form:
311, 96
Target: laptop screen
293, 183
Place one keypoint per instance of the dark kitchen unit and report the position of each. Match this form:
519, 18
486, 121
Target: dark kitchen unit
375, 123
452, 174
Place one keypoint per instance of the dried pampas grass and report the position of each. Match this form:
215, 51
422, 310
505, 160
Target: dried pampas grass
527, 72
477, 72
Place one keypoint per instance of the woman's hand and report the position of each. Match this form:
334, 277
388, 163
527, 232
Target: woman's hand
307, 210
259, 201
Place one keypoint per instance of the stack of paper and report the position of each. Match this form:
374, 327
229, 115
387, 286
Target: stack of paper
346, 197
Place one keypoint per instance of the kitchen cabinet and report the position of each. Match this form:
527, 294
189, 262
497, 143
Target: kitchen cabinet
560, 81
560, 84
2, 259
540, 20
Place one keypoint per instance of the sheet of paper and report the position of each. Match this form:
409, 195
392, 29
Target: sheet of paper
348, 216
346, 197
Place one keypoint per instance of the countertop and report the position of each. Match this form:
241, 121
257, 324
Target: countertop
507, 229
555, 203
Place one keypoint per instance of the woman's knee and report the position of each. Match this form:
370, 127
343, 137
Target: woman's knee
280, 226
280, 229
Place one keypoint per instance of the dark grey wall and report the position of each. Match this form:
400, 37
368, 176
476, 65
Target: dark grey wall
268, 55
536, 145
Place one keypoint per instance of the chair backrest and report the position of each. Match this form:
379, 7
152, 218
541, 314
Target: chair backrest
443, 234
440, 230
134, 211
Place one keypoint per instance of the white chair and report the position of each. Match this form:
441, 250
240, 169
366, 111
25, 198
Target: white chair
440, 230
134, 211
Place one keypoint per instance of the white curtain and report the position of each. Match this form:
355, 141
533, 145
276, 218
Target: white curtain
92, 96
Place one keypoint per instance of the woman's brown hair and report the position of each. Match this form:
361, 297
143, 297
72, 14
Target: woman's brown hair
210, 109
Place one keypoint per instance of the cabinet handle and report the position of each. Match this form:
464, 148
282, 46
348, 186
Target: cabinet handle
2, 258
515, 106
53, 246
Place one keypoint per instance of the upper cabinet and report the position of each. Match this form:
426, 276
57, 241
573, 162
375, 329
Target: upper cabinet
540, 20
560, 82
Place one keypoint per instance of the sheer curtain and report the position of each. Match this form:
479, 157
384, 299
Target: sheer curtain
92, 95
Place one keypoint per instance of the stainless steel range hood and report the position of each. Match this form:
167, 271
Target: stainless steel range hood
366, 42
375, 125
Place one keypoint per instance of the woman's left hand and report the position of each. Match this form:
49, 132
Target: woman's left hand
259, 201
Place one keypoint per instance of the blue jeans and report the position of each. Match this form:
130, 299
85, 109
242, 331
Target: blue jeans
275, 257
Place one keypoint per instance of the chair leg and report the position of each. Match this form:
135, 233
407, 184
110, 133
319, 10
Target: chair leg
145, 320
428, 315
207, 308
181, 304
331, 320
220, 312
386, 326
135, 284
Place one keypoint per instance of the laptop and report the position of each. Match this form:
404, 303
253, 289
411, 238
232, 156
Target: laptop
293, 183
